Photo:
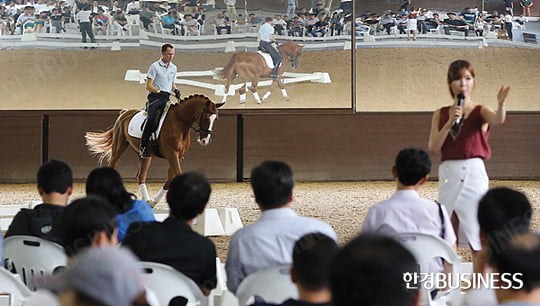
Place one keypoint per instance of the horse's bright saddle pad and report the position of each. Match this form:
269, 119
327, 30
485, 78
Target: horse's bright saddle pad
267, 58
137, 122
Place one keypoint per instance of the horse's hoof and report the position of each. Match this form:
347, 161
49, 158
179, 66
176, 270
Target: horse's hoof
259, 102
287, 99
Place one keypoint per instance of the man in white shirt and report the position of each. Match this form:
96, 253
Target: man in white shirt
406, 211
266, 38
269, 242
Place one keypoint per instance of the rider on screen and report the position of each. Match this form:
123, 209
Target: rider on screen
266, 37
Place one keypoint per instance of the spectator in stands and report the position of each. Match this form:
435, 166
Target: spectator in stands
318, 9
101, 276
119, 24
404, 5
201, 17
164, 7
496, 23
26, 19
402, 24
503, 213
468, 16
388, 22
369, 271
107, 183
101, 22
508, 25
279, 24
14, 12
146, 17
221, 23
41, 20
421, 19
54, 185
509, 7
479, 26
190, 25
520, 259
406, 211
320, 27
173, 242
133, 7
66, 13
254, 20
312, 256
336, 24
296, 27
57, 20
269, 241
83, 18
455, 24
310, 23
526, 7
6, 21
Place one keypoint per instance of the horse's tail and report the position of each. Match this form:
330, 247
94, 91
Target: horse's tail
100, 144
229, 70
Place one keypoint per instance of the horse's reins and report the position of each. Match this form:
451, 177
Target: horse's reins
289, 57
200, 119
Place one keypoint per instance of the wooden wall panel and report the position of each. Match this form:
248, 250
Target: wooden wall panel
363, 146
20, 147
217, 161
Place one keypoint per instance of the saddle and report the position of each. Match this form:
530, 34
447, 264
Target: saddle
138, 121
267, 58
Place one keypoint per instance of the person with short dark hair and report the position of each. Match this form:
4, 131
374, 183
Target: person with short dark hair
173, 242
369, 271
270, 240
503, 213
520, 259
107, 183
55, 186
87, 222
455, 24
406, 211
312, 256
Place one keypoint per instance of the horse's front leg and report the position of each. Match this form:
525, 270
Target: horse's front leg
270, 89
142, 172
227, 86
283, 90
254, 84
174, 170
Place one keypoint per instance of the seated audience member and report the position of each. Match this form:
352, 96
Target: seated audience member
168, 22
432, 23
296, 27
520, 258
101, 22
453, 23
479, 26
369, 271
133, 7
221, 23
406, 211
146, 17
502, 214
320, 27
387, 22
57, 20
119, 24
496, 23
310, 23
253, 19
402, 24
103, 276
468, 16
55, 185
312, 255
269, 241
173, 242
107, 183
280, 25
26, 19
190, 24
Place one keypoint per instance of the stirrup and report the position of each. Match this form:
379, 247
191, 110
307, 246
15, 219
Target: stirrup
274, 76
143, 153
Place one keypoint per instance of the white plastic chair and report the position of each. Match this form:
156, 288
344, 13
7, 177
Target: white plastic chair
33, 258
10, 284
167, 283
425, 248
272, 285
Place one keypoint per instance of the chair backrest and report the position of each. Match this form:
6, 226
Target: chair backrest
425, 249
11, 285
167, 283
272, 285
33, 258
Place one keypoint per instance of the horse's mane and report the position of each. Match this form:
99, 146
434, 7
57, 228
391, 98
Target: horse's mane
195, 96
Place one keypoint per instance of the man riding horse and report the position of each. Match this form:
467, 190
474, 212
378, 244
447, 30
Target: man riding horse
266, 37
160, 83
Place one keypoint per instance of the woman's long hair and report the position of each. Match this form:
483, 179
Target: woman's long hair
107, 183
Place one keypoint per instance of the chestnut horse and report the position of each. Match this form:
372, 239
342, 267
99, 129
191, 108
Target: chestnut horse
195, 112
251, 66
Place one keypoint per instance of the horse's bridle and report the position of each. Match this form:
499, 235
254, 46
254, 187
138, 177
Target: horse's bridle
200, 119
291, 59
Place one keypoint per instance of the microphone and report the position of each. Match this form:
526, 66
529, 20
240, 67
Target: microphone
461, 98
